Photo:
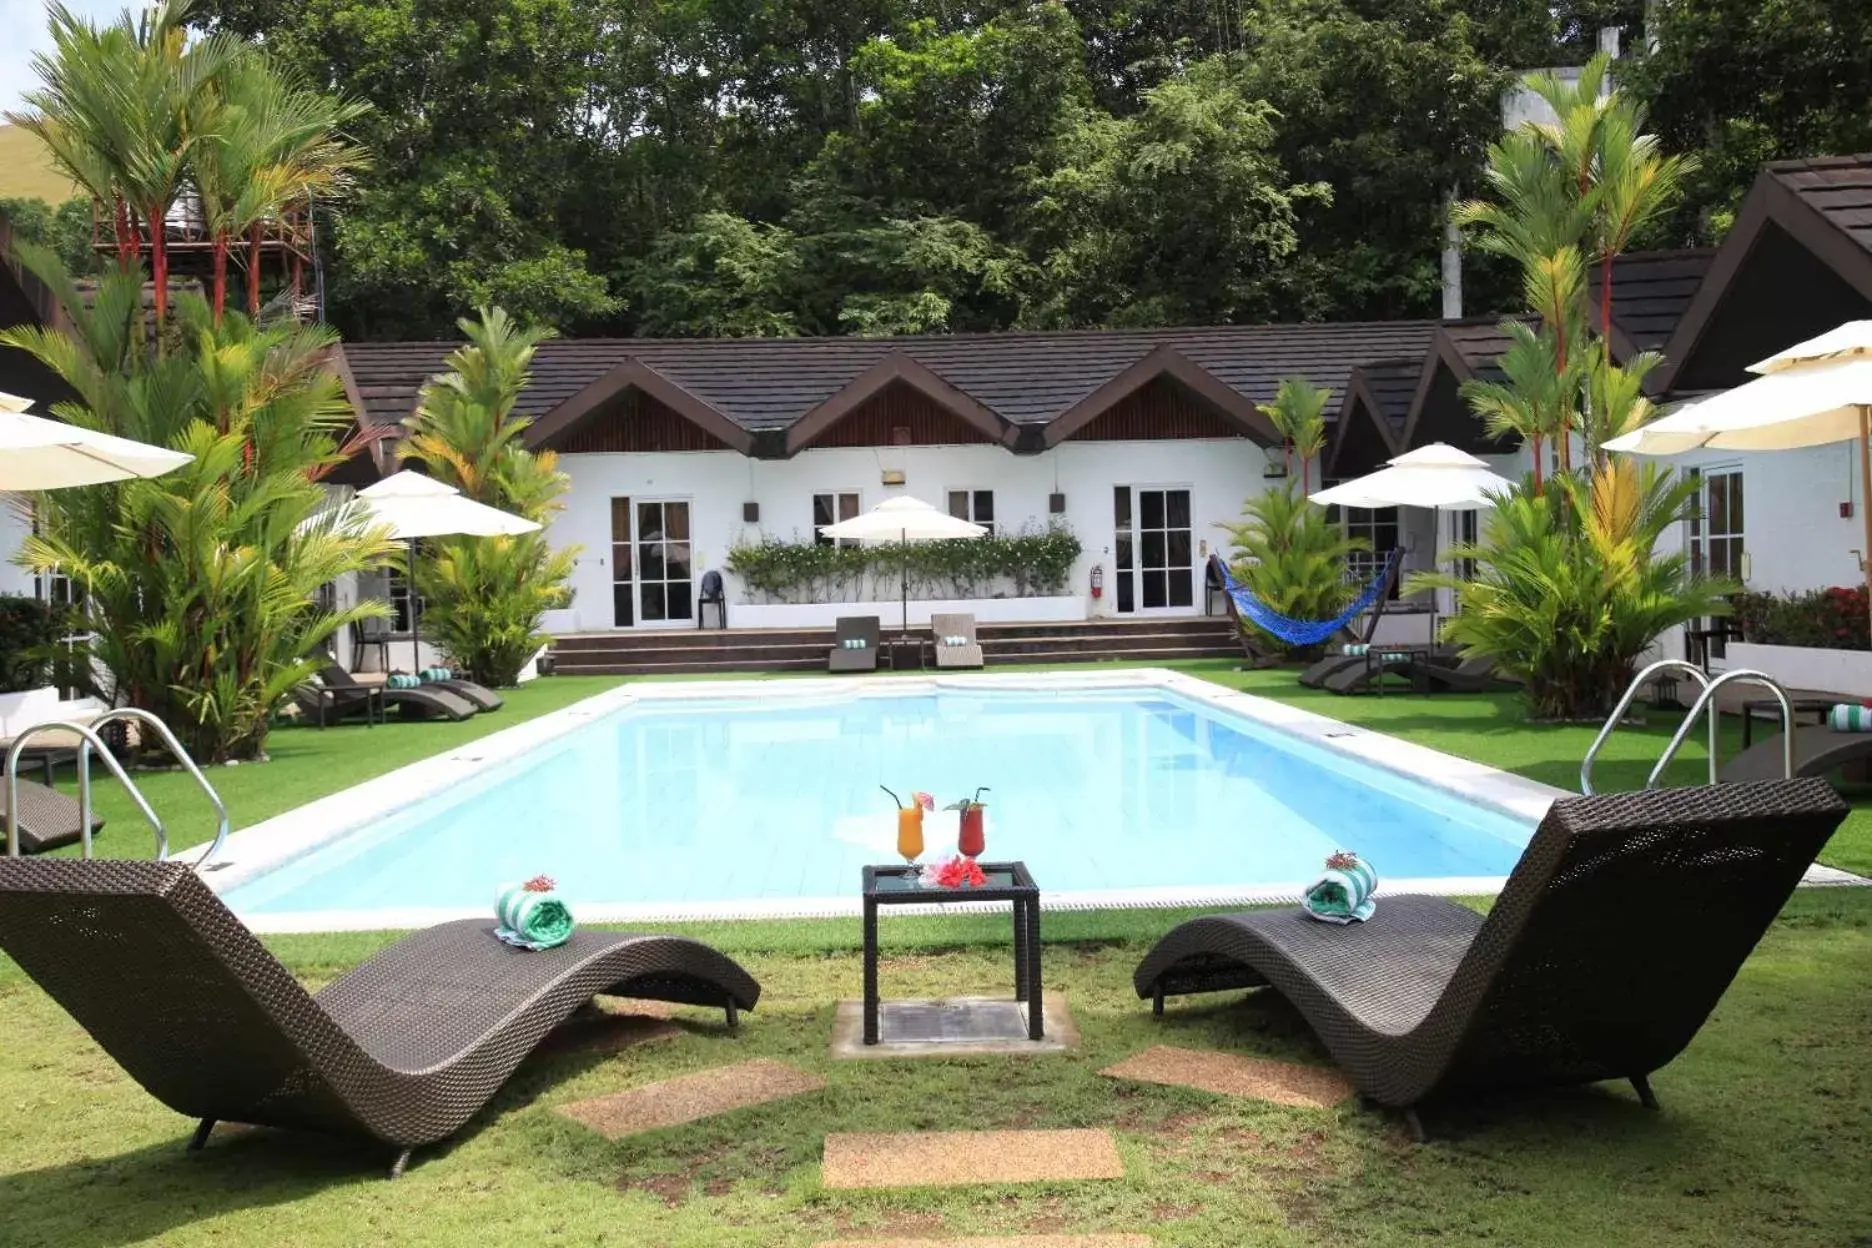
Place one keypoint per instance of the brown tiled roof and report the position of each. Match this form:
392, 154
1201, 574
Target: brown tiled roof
1479, 343
1392, 385
1650, 290
1026, 378
1839, 188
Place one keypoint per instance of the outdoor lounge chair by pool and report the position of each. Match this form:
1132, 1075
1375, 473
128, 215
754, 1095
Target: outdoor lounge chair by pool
483, 698
1620, 928
965, 653
847, 655
1361, 674
403, 1049
48, 818
418, 702
1818, 750
1468, 676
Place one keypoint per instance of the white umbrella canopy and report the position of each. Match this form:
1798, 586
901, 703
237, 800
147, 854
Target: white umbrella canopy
41, 454
412, 505
1433, 476
1814, 393
904, 520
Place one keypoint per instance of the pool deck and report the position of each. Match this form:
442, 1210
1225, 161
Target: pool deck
265, 846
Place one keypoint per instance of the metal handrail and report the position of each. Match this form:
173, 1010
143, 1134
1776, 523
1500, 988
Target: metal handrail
181, 756
1618, 714
87, 739
1740, 676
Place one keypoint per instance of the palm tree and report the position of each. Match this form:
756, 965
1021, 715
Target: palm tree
1535, 401
1299, 412
273, 143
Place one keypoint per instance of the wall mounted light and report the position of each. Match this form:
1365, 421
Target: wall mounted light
893, 476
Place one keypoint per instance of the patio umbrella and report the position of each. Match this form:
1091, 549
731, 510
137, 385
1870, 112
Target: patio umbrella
412, 505
41, 454
1812, 394
1434, 476
903, 520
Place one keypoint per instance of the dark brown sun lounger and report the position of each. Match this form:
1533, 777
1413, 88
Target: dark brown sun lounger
1620, 928
47, 818
404, 1049
854, 628
1364, 672
1468, 676
415, 702
1817, 751
482, 697
967, 653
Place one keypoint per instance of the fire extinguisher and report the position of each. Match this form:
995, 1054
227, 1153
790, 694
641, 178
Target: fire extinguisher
1098, 580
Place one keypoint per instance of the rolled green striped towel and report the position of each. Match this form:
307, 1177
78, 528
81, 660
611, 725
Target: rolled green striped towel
1343, 891
1354, 650
1850, 717
531, 916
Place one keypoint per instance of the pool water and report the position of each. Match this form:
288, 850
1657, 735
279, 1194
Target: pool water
737, 801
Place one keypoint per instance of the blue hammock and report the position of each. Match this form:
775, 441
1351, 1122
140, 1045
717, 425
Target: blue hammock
1301, 632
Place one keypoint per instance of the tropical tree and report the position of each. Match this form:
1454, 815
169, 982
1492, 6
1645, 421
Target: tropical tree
1299, 412
1574, 582
1537, 396
271, 143
203, 584
1292, 558
486, 597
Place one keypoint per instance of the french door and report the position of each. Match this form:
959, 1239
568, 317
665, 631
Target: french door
1153, 549
652, 562
1717, 542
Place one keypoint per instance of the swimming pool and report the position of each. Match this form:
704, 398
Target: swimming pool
1143, 792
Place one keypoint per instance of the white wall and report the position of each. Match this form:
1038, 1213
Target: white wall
1219, 474
1792, 530
14, 530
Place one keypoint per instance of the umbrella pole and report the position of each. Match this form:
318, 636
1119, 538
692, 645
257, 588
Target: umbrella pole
415, 617
1865, 494
903, 629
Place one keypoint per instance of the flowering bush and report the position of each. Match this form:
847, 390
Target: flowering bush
1830, 619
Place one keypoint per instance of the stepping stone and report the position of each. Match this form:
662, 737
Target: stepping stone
689, 1097
1000, 1241
953, 1027
948, 1158
1231, 1074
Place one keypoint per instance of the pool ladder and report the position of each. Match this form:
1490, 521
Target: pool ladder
1704, 705
90, 744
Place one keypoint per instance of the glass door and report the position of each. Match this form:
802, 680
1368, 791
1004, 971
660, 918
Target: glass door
665, 593
1154, 549
623, 594
1716, 537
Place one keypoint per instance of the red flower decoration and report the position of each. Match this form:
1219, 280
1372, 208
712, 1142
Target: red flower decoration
960, 872
1341, 859
539, 884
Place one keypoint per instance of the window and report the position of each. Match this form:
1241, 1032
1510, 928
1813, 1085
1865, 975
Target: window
1717, 544
976, 506
831, 509
398, 574
1379, 528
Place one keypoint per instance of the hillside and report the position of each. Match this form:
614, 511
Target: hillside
26, 172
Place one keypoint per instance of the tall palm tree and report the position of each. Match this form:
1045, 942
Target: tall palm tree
1535, 402
273, 143
1299, 412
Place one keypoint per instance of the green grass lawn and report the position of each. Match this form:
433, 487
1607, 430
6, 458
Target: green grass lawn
1762, 1139
1766, 1124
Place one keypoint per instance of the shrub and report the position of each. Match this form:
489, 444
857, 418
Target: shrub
1019, 565
1831, 619
1293, 559
30, 632
1572, 586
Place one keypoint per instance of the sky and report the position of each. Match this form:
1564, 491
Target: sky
23, 32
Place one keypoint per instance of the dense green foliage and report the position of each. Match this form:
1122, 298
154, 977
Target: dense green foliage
1293, 557
202, 585
64, 230
1018, 565
486, 597
30, 630
1830, 619
796, 167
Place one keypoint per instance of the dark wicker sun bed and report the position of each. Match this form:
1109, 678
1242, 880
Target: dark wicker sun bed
1363, 673
1817, 751
404, 1049
1468, 676
48, 818
483, 698
1625, 920
845, 658
417, 702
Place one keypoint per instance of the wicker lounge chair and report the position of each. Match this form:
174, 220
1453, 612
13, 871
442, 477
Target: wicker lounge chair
1817, 751
1468, 676
417, 702
404, 1049
967, 653
851, 658
47, 818
483, 698
1623, 923
1362, 673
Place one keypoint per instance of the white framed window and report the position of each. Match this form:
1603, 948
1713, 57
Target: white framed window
975, 506
832, 507
1379, 527
396, 578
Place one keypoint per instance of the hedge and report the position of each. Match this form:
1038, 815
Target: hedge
1019, 565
